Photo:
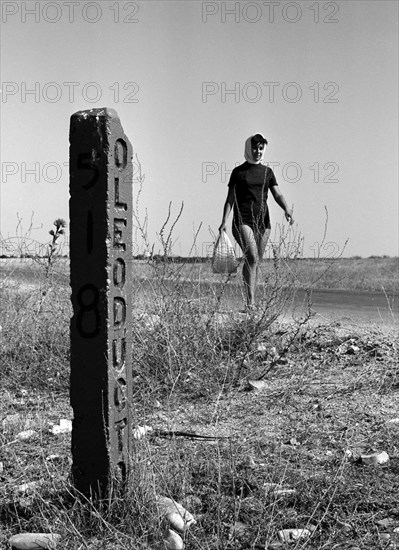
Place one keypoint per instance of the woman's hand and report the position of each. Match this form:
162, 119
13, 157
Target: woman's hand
289, 218
222, 227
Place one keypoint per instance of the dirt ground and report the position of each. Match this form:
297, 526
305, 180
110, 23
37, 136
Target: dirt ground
332, 398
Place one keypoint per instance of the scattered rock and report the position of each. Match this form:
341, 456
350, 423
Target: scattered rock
292, 442
375, 458
278, 490
173, 541
352, 350
176, 522
64, 427
34, 541
256, 385
141, 431
292, 535
1, 467
270, 487
261, 348
168, 507
54, 458
284, 492
386, 522
29, 487
384, 537
26, 435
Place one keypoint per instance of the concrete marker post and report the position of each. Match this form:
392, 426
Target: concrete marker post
101, 175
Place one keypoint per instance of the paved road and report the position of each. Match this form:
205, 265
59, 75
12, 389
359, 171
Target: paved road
357, 307
329, 305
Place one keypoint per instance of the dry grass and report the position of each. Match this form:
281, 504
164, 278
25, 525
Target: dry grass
192, 363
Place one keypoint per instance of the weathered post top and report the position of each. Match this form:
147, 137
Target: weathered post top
101, 175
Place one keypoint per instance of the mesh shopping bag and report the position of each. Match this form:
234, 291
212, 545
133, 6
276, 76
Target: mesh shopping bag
224, 258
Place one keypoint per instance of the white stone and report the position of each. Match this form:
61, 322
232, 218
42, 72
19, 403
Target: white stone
29, 487
176, 521
26, 435
141, 431
54, 458
168, 506
284, 492
34, 541
173, 541
352, 350
375, 458
271, 487
257, 384
292, 535
64, 427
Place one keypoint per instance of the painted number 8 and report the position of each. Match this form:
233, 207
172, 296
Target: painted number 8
88, 314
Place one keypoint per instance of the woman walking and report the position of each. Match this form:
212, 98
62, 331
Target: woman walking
248, 190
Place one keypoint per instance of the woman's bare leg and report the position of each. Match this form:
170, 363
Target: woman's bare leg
261, 241
247, 242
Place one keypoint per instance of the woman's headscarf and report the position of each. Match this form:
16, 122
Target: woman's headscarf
248, 148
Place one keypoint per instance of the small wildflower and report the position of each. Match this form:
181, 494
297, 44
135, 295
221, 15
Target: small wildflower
59, 223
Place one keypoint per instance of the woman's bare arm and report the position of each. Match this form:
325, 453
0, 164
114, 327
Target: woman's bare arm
228, 205
280, 200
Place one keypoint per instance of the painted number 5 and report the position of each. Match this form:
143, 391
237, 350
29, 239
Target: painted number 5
87, 161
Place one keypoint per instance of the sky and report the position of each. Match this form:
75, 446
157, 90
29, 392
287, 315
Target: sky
190, 81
